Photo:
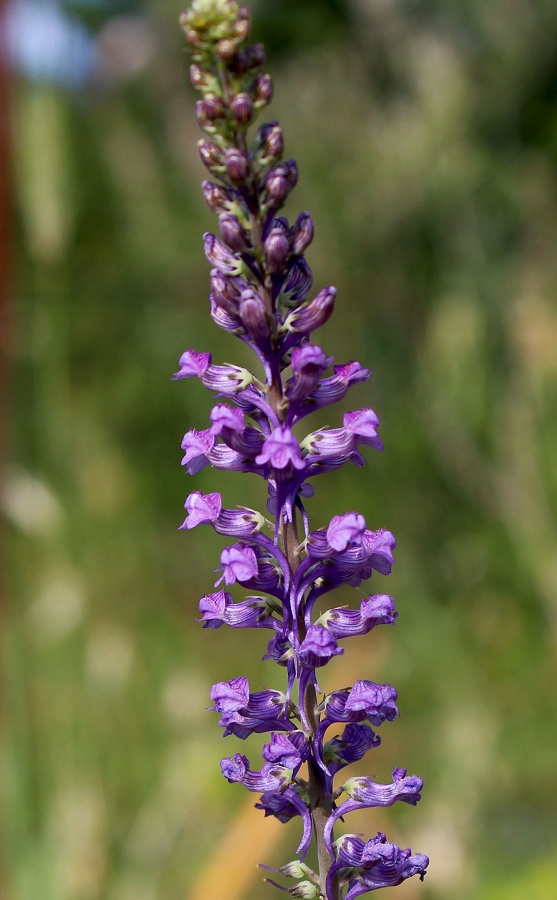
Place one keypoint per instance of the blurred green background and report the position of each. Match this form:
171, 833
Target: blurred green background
426, 136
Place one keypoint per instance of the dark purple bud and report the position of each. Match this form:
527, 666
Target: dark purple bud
263, 91
202, 79
208, 111
276, 186
318, 647
250, 57
218, 198
308, 364
269, 142
302, 233
241, 108
232, 233
225, 291
307, 318
212, 157
254, 317
237, 165
220, 256
299, 280
276, 250
222, 318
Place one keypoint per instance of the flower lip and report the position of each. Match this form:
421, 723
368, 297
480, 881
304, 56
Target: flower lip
281, 450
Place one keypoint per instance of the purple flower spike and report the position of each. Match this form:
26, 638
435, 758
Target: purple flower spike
260, 294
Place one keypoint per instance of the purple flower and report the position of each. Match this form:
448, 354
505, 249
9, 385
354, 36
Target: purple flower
344, 530
270, 778
239, 563
197, 445
281, 450
254, 612
318, 647
376, 610
373, 865
350, 747
282, 751
193, 364
202, 508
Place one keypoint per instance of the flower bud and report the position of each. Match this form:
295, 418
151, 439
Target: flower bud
277, 188
227, 47
208, 111
217, 198
237, 164
202, 79
232, 233
212, 157
299, 281
305, 890
241, 108
314, 314
241, 26
254, 317
302, 233
224, 291
276, 250
263, 92
220, 256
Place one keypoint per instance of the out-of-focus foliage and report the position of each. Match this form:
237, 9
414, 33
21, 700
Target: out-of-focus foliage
427, 143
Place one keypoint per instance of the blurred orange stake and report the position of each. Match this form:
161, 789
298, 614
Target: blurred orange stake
231, 871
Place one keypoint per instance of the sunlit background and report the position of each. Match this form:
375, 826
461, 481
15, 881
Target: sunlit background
426, 136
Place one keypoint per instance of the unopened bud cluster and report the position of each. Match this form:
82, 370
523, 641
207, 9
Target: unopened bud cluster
260, 292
